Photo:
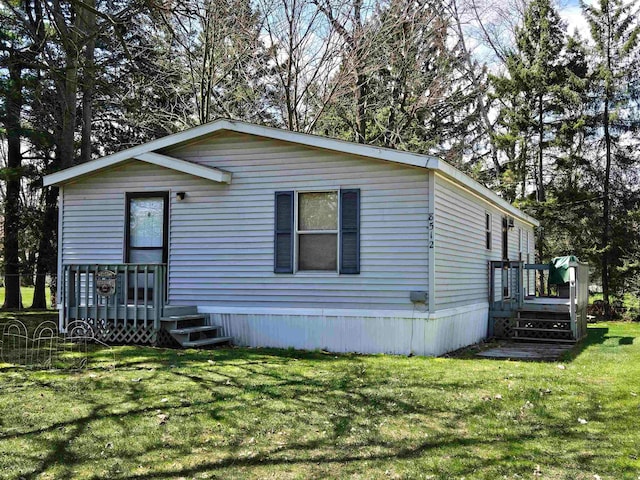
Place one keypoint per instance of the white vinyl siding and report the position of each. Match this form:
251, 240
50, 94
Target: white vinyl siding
221, 236
461, 258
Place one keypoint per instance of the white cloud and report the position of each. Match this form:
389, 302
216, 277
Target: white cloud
575, 21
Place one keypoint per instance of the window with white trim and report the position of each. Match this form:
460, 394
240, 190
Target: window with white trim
317, 231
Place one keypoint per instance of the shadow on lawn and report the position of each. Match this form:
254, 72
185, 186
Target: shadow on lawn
596, 336
260, 379
227, 385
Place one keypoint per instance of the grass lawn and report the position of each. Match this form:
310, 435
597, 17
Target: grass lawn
250, 413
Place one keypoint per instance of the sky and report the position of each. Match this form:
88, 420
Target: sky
570, 13
569, 10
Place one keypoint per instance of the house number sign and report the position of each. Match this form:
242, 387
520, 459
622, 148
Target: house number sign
105, 283
431, 239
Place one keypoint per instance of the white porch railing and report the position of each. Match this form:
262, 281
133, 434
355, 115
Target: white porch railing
138, 299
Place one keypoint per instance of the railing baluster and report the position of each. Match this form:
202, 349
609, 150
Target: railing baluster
160, 303
126, 296
106, 305
156, 294
78, 296
65, 297
86, 292
94, 296
135, 293
146, 295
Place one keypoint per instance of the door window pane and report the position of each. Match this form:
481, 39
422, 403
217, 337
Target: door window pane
318, 211
146, 256
146, 221
318, 252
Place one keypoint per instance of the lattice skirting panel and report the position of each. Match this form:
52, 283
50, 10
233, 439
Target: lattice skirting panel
557, 334
107, 332
558, 325
503, 327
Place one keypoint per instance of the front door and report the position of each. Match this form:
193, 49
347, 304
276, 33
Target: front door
146, 241
505, 258
146, 235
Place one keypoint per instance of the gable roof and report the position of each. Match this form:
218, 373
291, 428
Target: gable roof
147, 153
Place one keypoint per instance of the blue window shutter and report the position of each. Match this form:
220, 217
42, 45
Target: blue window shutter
283, 233
350, 231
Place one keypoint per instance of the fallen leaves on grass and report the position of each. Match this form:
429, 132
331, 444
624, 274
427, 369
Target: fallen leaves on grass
162, 417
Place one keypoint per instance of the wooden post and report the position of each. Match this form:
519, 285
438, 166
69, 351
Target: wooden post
146, 296
572, 301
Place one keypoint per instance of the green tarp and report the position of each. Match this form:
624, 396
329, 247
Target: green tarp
559, 269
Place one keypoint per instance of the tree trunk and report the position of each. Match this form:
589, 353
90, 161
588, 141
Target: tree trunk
14, 102
68, 100
541, 193
361, 110
46, 261
606, 205
482, 106
88, 80
361, 77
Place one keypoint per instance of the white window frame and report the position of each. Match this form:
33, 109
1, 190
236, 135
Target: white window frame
488, 231
296, 248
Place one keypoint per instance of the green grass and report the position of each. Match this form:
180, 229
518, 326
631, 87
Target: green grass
27, 296
255, 413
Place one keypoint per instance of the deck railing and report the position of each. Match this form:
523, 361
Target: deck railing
579, 297
513, 283
136, 297
506, 285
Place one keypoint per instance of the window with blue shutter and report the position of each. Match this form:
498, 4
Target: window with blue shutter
283, 233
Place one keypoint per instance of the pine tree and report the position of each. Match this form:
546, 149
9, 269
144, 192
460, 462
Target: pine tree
539, 95
615, 30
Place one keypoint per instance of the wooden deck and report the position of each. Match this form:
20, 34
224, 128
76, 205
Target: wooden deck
540, 352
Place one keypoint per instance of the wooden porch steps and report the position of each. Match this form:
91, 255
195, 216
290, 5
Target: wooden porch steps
544, 340
189, 328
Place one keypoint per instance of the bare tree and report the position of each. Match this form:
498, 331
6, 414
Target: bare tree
304, 56
349, 19
471, 72
223, 58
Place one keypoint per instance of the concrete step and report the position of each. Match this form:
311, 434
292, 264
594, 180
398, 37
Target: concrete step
206, 341
188, 330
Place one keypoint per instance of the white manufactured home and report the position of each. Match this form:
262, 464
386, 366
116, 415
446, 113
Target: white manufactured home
270, 238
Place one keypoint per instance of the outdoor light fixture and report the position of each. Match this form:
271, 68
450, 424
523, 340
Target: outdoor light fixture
180, 195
